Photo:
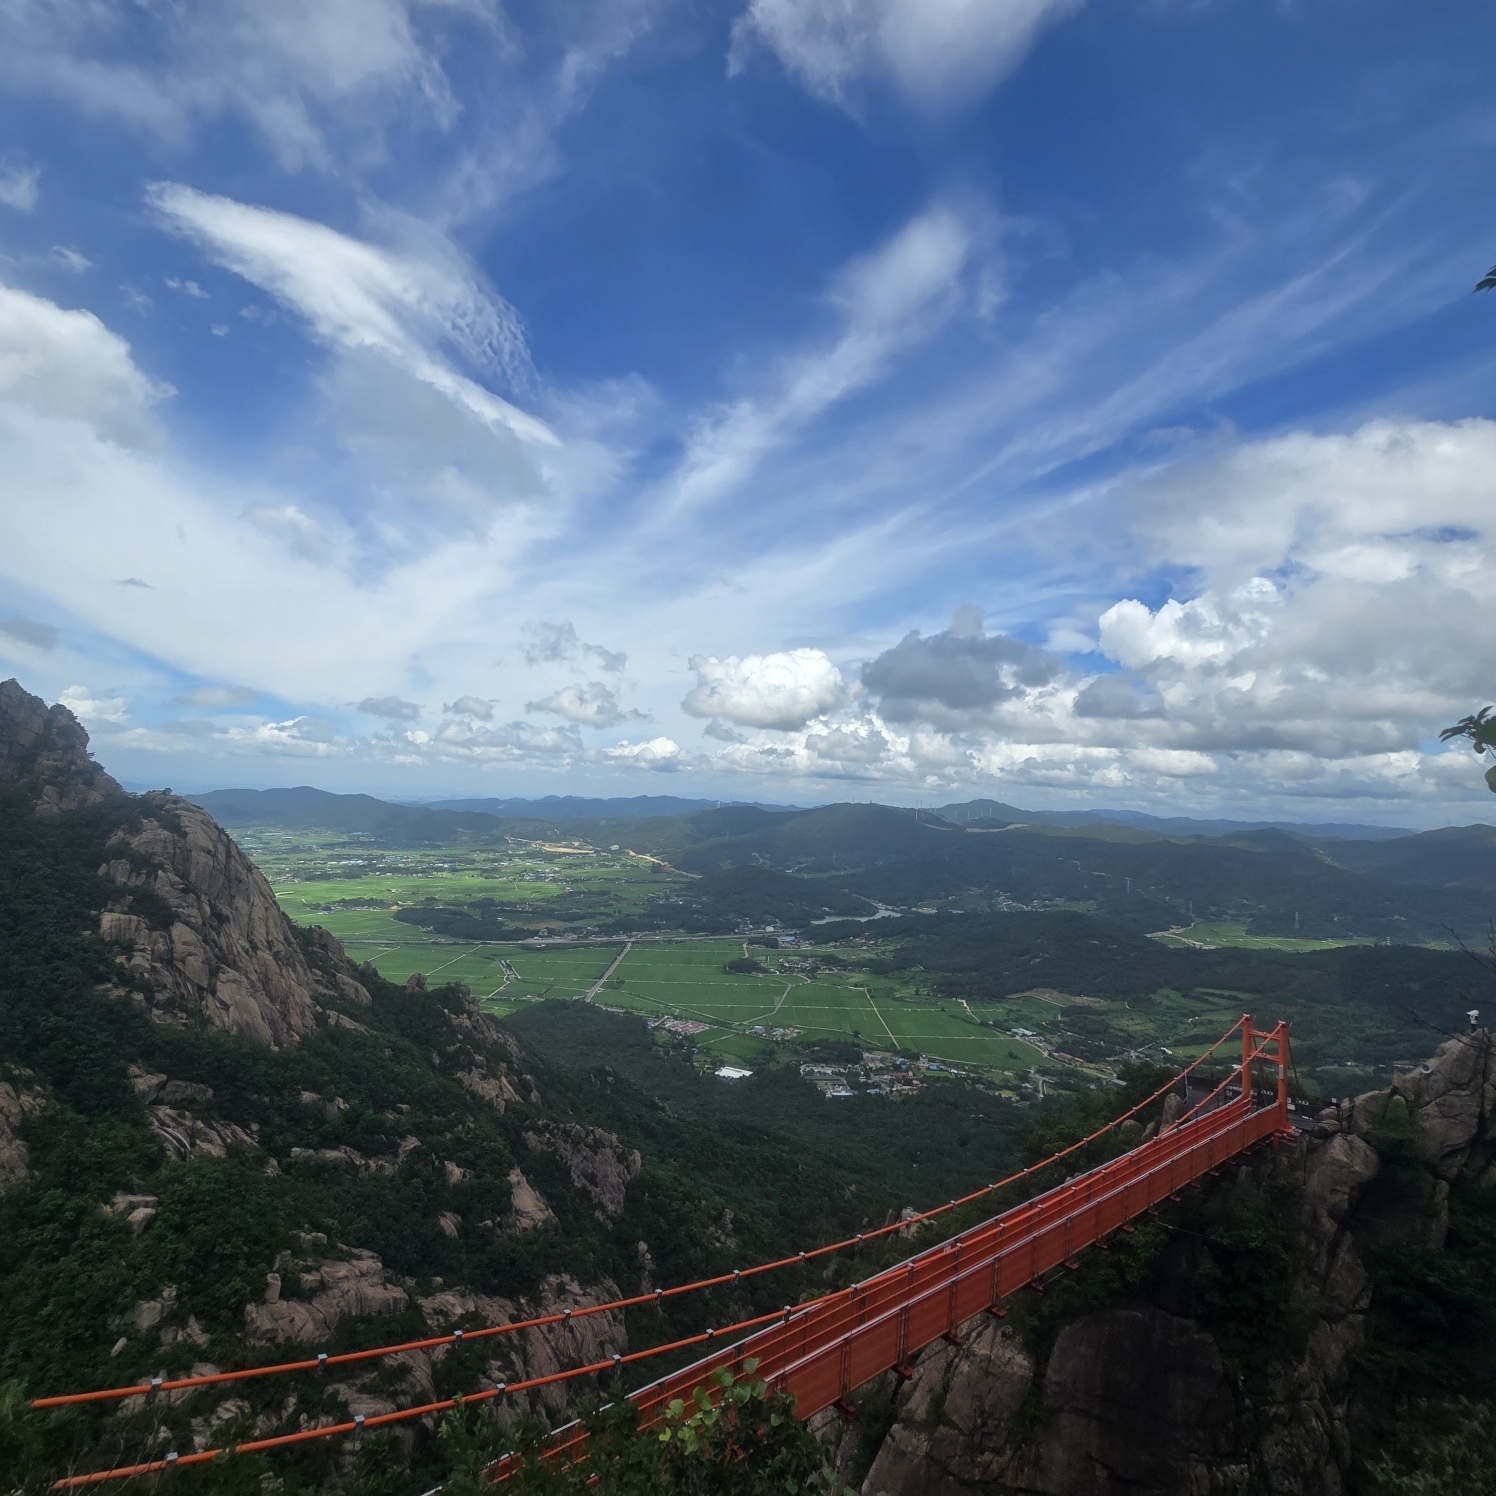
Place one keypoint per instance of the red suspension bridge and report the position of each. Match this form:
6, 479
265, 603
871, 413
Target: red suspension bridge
823, 1350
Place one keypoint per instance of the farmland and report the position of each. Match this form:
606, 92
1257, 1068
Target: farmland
1042, 996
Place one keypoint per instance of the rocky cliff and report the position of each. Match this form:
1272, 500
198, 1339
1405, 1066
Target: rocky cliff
193, 917
44, 754
214, 939
220, 1140
1154, 1393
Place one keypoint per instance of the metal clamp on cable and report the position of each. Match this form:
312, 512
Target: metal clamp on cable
321, 1362
171, 1458
358, 1423
456, 1337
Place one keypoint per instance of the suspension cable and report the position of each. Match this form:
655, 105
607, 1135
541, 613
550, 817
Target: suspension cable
458, 1337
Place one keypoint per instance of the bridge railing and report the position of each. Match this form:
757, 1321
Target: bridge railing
822, 1351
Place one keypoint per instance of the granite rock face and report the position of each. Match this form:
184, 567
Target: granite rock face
228, 951
1137, 1401
598, 1163
17, 1102
44, 754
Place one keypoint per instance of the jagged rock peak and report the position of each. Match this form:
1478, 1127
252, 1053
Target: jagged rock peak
44, 752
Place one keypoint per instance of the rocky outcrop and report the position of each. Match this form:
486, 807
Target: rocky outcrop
44, 754
1137, 1399
17, 1102
598, 1163
186, 1136
332, 1290
226, 949
527, 1207
1450, 1099
954, 1415
544, 1350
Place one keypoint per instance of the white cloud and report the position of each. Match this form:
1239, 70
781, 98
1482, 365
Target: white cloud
356, 297
660, 754
940, 53
292, 67
67, 366
784, 690
1346, 584
593, 705
18, 186
886, 301
70, 259
186, 287
95, 710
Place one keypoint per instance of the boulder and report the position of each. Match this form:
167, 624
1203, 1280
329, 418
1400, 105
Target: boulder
335, 1289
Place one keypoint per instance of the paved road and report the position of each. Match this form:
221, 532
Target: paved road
597, 986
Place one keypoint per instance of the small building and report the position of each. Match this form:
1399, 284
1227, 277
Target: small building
732, 1072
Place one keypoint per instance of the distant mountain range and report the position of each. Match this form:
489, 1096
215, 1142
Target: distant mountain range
973, 812
1146, 872
580, 808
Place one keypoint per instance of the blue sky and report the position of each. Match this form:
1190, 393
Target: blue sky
777, 399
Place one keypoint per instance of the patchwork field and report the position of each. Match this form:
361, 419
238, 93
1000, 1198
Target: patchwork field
355, 888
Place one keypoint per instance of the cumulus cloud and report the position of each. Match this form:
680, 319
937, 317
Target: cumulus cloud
938, 52
356, 297
297, 737
392, 708
862, 744
66, 365
513, 742
211, 696
556, 643
660, 754
1342, 603
955, 678
95, 709
29, 631
593, 705
722, 732
475, 707
783, 690
1116, 697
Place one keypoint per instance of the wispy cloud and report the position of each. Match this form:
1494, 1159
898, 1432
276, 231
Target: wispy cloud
355, 296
